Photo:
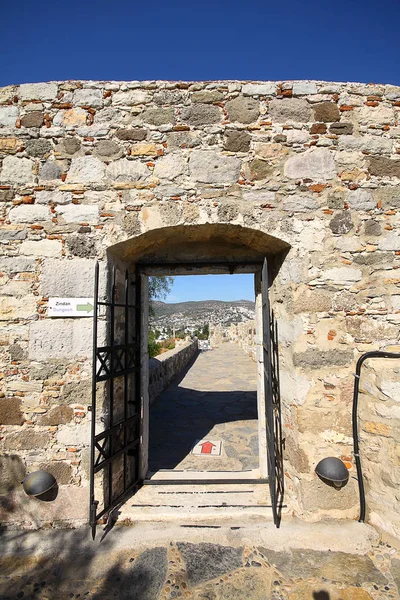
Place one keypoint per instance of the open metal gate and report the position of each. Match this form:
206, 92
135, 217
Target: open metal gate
116, 394
272, 401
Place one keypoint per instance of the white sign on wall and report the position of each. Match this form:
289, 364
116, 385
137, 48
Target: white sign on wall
71, 307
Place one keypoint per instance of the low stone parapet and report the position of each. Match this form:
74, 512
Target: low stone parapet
164, 368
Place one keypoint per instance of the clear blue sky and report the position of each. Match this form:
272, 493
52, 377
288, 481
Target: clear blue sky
357, 40
212, 287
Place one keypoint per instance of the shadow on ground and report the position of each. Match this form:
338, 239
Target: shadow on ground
61, 565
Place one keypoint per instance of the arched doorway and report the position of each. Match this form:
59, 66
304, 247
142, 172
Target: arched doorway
120, 427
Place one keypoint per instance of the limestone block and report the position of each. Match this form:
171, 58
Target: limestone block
170, 166
12, 234
294, 387
317, 495
108, 149
299, 203
388, 196
41, 248
17, 264
170, 96
159, 116
10, 411
6, 94
297, 136
303, 88
53, 197
183, 139
384, 167
361, 199
85, 169
201, 114
391, 389
259, 197
392, 92
79, 213
8, 145
134, 135
243, 109
388, 412
343, 275
29, 213
60, 339
77, 392
341, 222
326, 112
88, 97
259, 89
257, 169
207, 96
69, 146
314, 358
70, 118
27, 439
58, 415
74, 435
130, 98
370, 329
377, 115
38, 148
17, 170
38, 91
127, 170
212, 167
290, 109
32, 119
17, 308
370, 143
237, 141
391, 241
8, 116
316, 164
311, 301
68, 278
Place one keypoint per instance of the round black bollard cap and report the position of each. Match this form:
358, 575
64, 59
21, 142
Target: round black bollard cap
333, 470
38, 483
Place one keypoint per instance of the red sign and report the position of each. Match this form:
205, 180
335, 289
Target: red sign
206, 447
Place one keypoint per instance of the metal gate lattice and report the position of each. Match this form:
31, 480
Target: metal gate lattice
116, 371
272, 401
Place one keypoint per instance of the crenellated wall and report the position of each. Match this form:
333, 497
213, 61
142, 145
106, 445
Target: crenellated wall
91, 170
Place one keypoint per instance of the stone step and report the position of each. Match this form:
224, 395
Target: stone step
199, 502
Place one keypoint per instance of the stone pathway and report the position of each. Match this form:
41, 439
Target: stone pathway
216, 400
196, 571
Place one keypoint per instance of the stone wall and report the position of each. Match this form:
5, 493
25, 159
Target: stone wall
379, 423
137, 170
163, 369
242, 334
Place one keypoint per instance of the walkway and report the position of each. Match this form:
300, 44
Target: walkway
215, 400
300, 561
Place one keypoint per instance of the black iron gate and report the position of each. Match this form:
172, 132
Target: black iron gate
272, 401
116, 394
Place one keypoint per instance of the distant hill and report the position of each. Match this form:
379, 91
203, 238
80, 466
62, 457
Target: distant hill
198, 313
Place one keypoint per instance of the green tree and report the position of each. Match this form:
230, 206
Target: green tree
159, 288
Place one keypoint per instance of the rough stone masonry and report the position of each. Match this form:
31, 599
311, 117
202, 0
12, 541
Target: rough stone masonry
315, 166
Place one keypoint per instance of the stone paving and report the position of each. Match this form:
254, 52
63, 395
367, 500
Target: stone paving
198, 571
216, 399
